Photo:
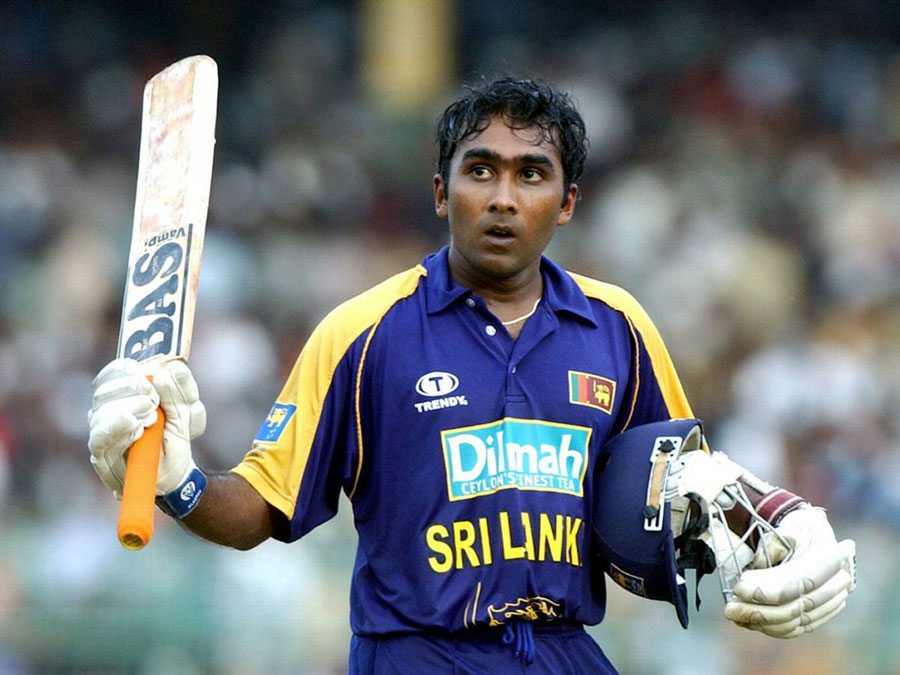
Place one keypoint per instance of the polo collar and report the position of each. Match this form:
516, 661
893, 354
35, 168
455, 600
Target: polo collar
561, 293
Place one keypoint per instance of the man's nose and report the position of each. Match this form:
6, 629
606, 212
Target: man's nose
504, 199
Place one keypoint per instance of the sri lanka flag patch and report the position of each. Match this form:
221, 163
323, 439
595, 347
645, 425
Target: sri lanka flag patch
275, 422
591, 390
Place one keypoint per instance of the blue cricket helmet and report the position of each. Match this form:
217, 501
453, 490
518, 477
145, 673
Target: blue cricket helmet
632, 538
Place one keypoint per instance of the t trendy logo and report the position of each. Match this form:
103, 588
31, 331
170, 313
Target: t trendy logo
514, 453
437, 384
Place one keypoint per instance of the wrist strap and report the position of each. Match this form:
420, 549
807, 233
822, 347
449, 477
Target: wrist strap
777, 504
183, 499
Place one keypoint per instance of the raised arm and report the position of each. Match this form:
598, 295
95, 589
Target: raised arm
220, 507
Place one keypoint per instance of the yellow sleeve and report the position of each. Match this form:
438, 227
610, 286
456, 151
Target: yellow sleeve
296, 438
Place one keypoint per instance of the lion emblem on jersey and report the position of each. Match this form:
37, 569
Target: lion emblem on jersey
276, 417
525, 609
275, 423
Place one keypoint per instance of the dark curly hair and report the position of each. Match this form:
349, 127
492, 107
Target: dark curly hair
524, 104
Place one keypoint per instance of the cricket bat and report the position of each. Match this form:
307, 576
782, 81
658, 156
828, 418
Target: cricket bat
174, 174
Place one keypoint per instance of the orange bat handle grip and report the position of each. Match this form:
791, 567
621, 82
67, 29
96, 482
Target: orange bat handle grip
139, 492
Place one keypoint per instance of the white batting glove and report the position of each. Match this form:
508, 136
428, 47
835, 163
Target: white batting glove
185, 421
804, 592
124, 402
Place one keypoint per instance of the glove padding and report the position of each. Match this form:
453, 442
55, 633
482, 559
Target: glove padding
799, 595
125, 402
185, 420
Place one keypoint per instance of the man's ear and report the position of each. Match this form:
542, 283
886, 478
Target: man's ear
440, 196
568, 205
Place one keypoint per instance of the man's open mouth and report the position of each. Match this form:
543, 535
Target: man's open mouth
501, 232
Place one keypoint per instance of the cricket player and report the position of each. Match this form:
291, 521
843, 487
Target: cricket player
461, 406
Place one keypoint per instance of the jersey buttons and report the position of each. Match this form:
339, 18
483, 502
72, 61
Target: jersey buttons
470, 302
490, 330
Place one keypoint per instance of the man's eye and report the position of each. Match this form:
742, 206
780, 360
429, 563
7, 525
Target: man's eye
480, 172
532, 175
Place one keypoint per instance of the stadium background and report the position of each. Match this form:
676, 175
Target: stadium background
744, 184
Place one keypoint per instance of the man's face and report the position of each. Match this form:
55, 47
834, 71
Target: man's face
504, 198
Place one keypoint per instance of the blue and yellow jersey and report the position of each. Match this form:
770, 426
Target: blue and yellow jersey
466, 454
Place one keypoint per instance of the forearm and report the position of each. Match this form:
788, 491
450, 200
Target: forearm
230, 513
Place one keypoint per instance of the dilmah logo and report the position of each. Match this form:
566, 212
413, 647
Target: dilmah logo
438, 384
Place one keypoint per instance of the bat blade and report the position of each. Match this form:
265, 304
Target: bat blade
174, 174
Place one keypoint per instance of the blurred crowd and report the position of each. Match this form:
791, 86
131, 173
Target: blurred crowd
743, 184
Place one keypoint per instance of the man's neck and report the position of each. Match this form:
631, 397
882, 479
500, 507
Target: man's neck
512, 299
